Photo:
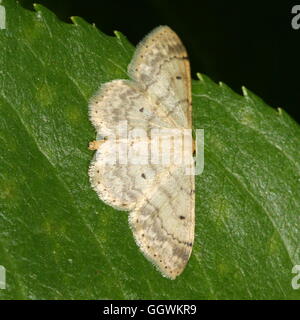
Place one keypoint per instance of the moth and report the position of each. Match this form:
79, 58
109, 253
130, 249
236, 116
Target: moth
160, 197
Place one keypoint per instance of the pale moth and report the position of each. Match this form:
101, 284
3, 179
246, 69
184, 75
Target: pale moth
159, 195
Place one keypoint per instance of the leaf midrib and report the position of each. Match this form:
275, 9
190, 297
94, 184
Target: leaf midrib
64, 186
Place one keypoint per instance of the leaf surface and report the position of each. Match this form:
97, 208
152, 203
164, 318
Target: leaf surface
58, 241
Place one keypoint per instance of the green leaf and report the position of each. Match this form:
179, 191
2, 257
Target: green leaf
58, 241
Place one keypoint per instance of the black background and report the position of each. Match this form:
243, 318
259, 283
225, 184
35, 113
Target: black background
94, 309
249, 43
